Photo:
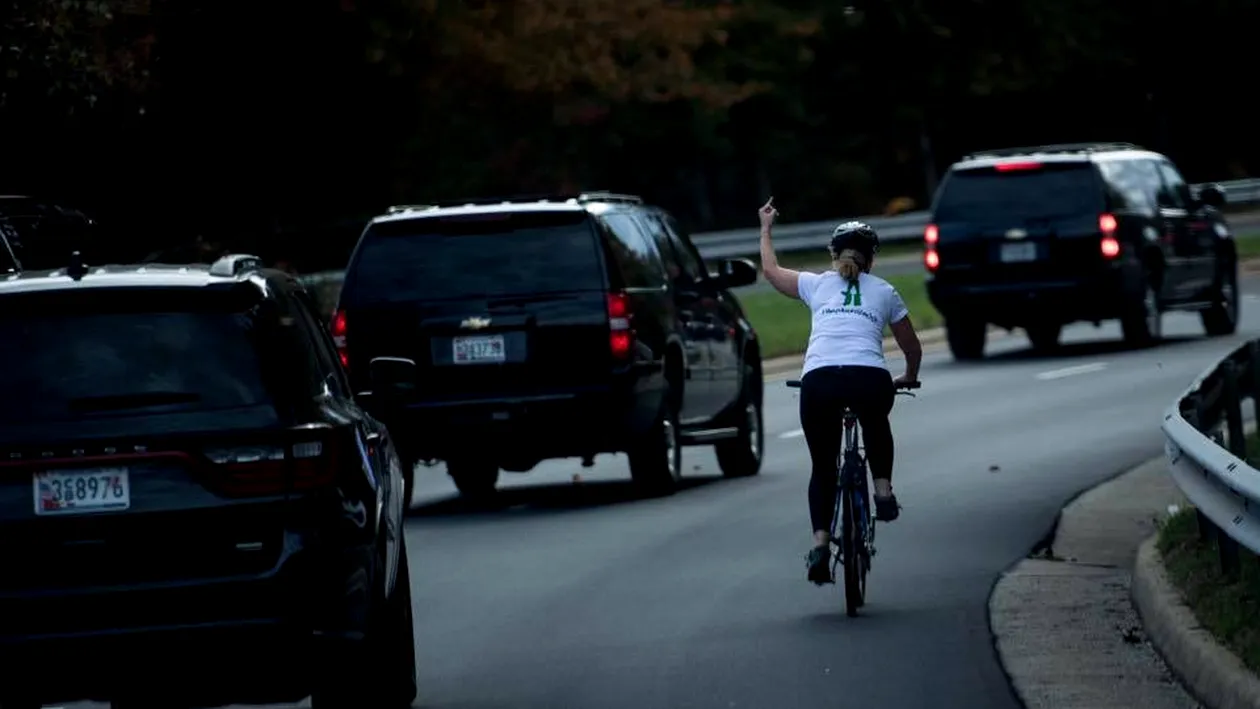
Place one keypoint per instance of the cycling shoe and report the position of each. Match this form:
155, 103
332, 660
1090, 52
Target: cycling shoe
819, 561
886, 508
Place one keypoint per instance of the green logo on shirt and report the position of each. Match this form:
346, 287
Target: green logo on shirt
853, 296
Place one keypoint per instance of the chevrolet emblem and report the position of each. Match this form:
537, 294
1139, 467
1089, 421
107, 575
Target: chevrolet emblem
475, 323
1016, 234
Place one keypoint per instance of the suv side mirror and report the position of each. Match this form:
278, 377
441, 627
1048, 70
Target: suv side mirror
392, 377
1212, 195
736, 272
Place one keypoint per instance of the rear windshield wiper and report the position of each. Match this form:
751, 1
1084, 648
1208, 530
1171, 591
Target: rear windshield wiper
138, 400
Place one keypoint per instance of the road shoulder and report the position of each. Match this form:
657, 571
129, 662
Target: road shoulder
1063, 623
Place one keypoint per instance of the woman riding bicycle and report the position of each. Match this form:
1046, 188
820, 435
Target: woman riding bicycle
845, 367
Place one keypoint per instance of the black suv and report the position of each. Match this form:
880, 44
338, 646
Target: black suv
551, 328
1040, 237
190, 498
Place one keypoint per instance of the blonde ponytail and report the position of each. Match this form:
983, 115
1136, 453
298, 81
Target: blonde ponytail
850, 264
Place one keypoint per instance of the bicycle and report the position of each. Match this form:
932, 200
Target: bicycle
856, 541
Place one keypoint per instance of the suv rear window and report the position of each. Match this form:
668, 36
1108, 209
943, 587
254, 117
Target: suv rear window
59, 366
1049, 191
484, 255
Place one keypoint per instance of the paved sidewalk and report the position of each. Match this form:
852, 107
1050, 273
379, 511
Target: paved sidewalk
1063, 622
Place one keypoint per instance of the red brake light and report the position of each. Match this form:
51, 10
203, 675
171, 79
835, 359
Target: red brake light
273, 469
621, 335
1013, 166
338, 329
932, 260
1107, 224
1110, 247
931, 235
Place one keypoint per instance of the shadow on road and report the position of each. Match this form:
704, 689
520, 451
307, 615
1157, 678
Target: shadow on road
548, 498
1090, 348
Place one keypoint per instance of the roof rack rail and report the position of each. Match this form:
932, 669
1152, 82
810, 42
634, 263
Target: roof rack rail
235, 264
606, 196
1053, 148
396, 208
558, 198
480, 202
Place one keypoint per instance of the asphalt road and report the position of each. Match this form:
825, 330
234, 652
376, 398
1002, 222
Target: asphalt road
578, 595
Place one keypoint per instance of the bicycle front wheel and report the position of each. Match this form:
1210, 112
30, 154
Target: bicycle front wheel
854, 554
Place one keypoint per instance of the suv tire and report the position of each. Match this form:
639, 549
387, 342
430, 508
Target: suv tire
474, 478
741, 456
1045, 336
381, 672
1222, 318
1144, 325
966, 337
656, 458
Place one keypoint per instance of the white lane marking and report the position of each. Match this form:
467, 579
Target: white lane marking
792, 434
1072, 371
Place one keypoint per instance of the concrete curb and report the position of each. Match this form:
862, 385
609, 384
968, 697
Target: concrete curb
1062, 620
1213, 673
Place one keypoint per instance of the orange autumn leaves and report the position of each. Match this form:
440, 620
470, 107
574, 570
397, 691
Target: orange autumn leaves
607, 51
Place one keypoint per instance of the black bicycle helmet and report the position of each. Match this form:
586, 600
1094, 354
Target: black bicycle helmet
859, 236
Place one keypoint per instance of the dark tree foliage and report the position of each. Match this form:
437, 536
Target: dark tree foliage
283, 125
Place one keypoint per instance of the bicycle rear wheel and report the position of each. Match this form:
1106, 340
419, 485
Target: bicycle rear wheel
852, 546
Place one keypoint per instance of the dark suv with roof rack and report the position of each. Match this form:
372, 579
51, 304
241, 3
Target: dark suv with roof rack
550, 328
188, 491
1040, 237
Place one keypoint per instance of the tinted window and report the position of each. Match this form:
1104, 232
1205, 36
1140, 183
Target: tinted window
1052, 190
1175, 193
1133, 184
682, 267
485, 255
60, 366
633, 249
8, 261
686, 251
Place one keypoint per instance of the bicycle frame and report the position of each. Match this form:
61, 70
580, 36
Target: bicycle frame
851, 474
853, 525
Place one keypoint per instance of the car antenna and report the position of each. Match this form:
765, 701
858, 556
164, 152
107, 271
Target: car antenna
77, 268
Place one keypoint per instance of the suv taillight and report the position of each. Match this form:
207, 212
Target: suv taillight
338, 329
620, 332
273, 469
931, 235
1110, 245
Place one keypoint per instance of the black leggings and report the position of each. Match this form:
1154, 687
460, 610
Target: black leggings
825, 392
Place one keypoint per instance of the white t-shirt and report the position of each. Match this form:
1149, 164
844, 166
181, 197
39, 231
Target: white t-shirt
848, 320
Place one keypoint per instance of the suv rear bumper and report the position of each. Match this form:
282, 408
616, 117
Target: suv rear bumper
526, 429
73, 643
1103, 295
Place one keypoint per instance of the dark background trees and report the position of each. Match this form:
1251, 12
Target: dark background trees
290, 121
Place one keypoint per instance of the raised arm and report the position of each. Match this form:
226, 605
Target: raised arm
908, 340
784, 280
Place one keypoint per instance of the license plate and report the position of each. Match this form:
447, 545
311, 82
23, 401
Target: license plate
1015, 253
476, 350
70, 492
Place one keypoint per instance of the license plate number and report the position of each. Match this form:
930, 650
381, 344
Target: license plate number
477, 350
1015, 253
82, 491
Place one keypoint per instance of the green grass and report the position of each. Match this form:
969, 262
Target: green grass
1229, 610
1248, 245
782, 323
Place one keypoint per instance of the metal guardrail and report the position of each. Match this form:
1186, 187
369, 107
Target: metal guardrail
799, 237
900, 228
1207, 453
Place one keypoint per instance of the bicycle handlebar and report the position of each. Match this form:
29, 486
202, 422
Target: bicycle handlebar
796, 384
